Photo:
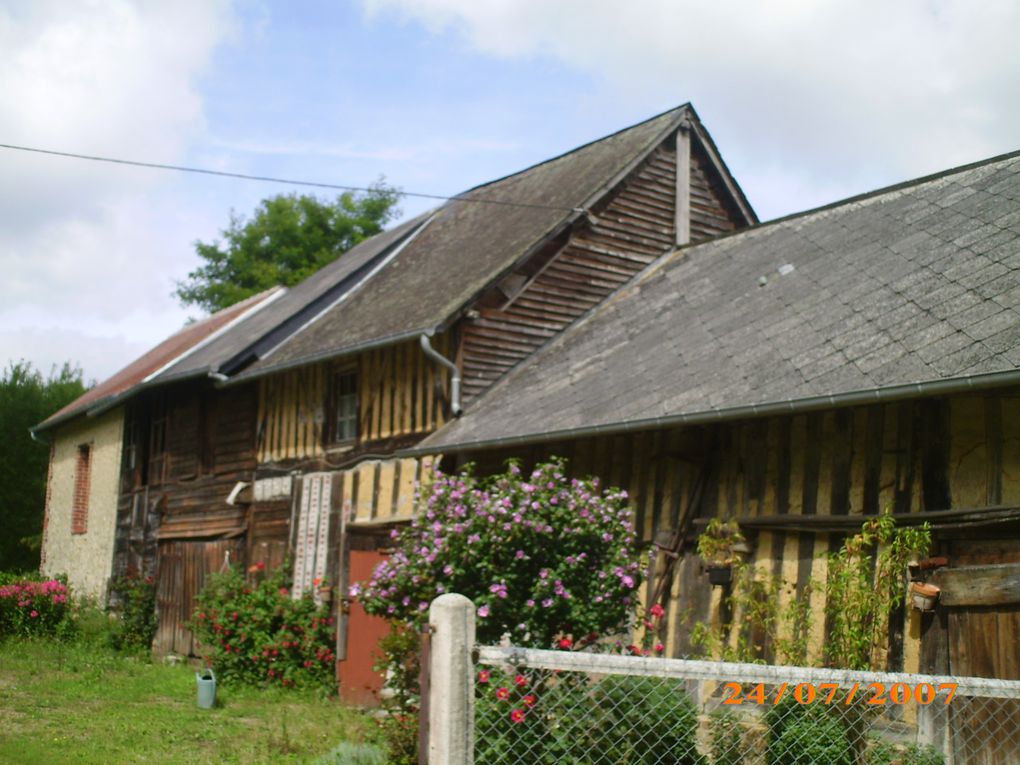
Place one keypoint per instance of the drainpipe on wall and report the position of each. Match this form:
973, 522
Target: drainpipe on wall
437, 357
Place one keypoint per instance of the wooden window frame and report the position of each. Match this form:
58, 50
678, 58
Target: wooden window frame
336, 434
82, 487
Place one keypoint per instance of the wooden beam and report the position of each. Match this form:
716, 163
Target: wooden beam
978, 585
942, 519
683, 184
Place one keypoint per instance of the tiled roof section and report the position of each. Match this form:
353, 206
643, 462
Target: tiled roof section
914, 284
173, 347
468, 245
324, 285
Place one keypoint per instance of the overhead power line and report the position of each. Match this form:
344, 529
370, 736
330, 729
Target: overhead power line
271, 179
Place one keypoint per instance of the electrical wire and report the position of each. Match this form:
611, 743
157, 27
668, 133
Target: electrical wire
271, 179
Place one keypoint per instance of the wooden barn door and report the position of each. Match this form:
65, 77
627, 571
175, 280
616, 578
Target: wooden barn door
182, 566
980, 607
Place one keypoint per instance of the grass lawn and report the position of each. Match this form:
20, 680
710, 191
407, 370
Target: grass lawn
83, 703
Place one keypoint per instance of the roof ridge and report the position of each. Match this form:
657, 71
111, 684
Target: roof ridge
678, 109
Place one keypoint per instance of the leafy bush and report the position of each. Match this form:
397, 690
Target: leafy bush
30, 607
541, 557
726, 739
400, 662
257, 634
560, 719
805, 735
135, 628
886, 753
633, 713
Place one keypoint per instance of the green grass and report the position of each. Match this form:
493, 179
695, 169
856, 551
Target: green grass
81, 702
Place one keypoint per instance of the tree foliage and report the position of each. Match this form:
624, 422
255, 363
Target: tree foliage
26, 398
288, 238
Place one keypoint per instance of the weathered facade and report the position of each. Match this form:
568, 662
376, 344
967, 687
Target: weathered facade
81, 502
801, 377
278, 438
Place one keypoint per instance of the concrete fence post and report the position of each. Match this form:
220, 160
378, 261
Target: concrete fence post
452, 699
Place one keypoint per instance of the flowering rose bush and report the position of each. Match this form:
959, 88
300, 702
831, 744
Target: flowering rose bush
542, 556
135, 599
255, 633
34, 607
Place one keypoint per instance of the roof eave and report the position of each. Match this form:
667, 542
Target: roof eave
789, 406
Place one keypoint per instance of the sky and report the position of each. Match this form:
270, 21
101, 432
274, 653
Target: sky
808, 102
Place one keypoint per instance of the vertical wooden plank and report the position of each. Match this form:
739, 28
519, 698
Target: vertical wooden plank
993, 438
407, 420
639, 476
386, 476
260, 422
904, 457
890, 447
409, 469
817, 455
1010, 449
842, 460
798, 458
872, 461
968, 450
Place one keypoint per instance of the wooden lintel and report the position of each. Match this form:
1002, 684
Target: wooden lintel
995, 585
943, 520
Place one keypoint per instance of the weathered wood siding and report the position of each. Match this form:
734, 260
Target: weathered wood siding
401, 393
800, 484
630, 229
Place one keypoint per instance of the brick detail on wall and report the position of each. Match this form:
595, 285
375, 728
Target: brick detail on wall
80, 507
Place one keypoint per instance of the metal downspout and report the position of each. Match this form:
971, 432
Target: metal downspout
455, 407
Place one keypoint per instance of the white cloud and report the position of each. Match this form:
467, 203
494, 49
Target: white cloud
83, 243
838, 96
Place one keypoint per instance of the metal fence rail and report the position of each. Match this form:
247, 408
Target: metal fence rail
567, 708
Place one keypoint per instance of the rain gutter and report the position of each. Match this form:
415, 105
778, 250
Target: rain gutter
788, 406
455, 406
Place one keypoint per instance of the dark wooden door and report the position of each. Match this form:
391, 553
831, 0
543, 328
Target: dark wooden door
983, 632
182, 567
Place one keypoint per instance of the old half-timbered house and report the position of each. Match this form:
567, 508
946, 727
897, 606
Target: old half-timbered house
800, 377
463, 294
276, 440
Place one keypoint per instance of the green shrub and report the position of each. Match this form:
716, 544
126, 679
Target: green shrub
135, 628
885, 753
810, 737
726, 735
257, 634
644, 720
32, 606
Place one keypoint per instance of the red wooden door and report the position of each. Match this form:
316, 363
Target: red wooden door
359, 683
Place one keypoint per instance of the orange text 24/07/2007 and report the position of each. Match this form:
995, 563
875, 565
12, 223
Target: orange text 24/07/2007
876, 694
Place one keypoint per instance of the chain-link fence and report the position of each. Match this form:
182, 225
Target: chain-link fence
568, 708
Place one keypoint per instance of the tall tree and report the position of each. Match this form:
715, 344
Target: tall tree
288, 238
26, 398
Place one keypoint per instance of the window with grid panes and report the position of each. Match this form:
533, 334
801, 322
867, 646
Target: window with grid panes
344, 407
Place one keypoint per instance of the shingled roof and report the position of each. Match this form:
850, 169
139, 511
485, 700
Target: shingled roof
175, 349
908, 290
468, 245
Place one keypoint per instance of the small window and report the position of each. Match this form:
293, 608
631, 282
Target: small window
80, 503
343, 409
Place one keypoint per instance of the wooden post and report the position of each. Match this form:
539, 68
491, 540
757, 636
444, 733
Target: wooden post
683, 184
451, 682
424, 690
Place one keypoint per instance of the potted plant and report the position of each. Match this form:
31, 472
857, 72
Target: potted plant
718, 546
923, 596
